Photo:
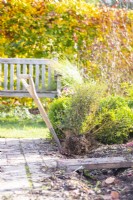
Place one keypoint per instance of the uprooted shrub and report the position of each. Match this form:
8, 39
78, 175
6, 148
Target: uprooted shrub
68, 113
85, 100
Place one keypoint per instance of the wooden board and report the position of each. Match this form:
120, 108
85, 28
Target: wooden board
95, 163
21, 93
26, 61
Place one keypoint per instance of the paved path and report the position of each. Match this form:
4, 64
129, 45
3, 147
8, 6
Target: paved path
28, 172
24, 165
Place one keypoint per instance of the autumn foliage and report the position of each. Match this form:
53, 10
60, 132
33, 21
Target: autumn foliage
99, 37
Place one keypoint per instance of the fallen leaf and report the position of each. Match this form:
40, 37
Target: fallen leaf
110, 180
115, 195
130, 144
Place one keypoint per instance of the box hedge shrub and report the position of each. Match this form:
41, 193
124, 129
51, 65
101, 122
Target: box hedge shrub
113, 122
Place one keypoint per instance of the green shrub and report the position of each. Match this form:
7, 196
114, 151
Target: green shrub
68, 113
84, 102
129, 94
130, 104
112, 103
113, 122
57, 113
114, 126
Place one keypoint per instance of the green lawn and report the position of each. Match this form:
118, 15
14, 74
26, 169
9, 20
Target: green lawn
12, 128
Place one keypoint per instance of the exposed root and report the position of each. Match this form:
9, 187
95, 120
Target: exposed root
78, 144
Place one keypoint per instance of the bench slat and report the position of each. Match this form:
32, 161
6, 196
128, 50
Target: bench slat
12, 77
18, 80
0, 74
37, 72
24, 67
31, 69
43, 77
49, 77
25, 61
5, 76
8, 93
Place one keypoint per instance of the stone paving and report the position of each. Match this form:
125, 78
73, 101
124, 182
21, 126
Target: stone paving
24, 164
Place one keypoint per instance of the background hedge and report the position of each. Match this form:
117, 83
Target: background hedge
99, 38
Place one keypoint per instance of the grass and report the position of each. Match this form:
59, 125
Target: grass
93, 1
14, 128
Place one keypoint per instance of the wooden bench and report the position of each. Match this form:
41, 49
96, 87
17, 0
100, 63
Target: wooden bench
47, 81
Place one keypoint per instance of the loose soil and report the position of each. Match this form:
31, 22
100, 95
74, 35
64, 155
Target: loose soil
93, 184
123, 182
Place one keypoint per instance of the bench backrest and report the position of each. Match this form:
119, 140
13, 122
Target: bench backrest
44, 77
